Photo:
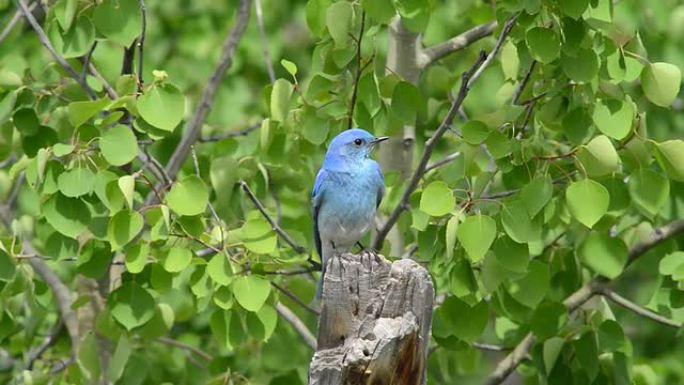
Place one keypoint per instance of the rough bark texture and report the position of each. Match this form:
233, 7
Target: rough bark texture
375, 322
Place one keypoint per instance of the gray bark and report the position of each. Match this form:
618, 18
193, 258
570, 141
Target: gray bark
374, 326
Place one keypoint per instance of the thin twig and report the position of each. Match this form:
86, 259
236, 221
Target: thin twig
297, 324
141, 45
13, 22
46, 43
214, 214
86, 61
264, 40
176, 344
521, 86
429, 147
447, 159
194, 127
636, 309
497, 47
357, 75
597, 285
232, 134
49, 341
296, 247
105, 84
456, 43
295, 299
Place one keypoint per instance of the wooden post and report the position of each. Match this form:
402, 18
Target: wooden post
374, 326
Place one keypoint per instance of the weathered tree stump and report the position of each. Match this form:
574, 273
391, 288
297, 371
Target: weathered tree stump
375, 322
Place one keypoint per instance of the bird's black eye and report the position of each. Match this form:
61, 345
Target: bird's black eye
358, 142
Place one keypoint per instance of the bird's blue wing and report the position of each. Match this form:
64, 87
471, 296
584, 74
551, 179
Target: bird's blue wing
316, 201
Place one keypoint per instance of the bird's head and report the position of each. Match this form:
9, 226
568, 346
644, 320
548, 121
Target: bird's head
355, 144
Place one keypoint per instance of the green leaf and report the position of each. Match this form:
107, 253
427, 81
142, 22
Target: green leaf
80, 112
118, 20
220, 269
289, 66
188, 196
338, 19
661, 83
65, 11
177, 259
544, 44
69, 216
220, 327
604, 255
551, 350
162, 106
476, 235
76, 182
406, 102
510, 63
131, 305
7, 267
536, 194
611, 337
573, 8
314, 129
614, 118
475, 132
136, 257
126, 184
119, 145
119, 359
450, 235
586, 350
61, 149
281, 94
671, 263
223, 297
649, 191
469, 328
251, 291
26, 121
437, 199
315, 16
531, 289
269, 319
258, 236
123, 227
381, 11
511, 255
77, 40
670, 156
582, 67
599, 157
517, 223
587, 201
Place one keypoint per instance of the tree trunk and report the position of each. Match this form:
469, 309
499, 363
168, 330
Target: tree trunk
374, 326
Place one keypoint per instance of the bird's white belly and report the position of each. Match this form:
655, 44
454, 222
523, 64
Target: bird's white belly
344, 232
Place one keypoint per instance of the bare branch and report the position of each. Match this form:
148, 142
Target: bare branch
636, 309
264, 40
521, 86
499, 43
194, 128
176, 344
296, 247
456, 43
297, 324
13, 22
448, 159
357, 75
46, 43
294, 298
141, 45
232, 134
582, 295
49, 341
86, 61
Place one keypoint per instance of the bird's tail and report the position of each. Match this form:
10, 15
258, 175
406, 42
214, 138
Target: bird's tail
327, 252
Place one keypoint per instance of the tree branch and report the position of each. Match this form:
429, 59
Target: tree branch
296, 247
141, 45
297, 324
636, 309
456, 43
442, 162
596, 286
521, 86
467, 81
13, 22
232, 134
194, 127
357, 75
264, 40
46, 43
176, 344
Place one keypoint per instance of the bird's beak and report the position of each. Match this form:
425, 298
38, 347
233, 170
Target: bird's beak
379, 139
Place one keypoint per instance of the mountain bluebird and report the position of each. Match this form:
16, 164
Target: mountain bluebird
347, 191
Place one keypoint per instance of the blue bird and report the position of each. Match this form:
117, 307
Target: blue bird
348, 189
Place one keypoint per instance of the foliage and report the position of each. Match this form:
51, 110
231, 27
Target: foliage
567, 154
